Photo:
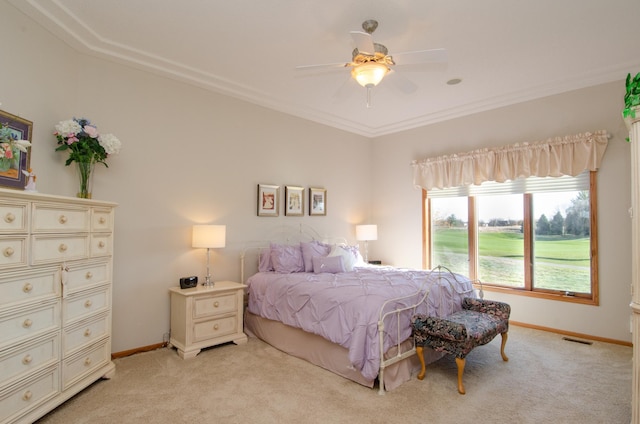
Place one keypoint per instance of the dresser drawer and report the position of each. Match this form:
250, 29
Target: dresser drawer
29, 357
101, 245
86, 276
13, 217
37, 389
84, 362
13, 251
84, 304
26, 287
23, 323
54, 218
214, 328
85, 332
102, 220
55, 249
205, 306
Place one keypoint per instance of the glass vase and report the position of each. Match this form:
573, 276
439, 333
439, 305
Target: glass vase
85, 178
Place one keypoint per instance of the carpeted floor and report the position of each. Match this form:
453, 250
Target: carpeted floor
547, 380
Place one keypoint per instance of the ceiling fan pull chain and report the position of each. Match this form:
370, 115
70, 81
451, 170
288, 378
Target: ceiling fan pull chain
368, 96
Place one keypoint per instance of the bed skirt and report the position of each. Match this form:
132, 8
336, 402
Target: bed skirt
323, 353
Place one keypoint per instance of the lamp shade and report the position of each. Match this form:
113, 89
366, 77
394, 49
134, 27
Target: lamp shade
370, 73
209, 236
366, 232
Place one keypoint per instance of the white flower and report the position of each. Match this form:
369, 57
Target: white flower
22, 145
110, 143
70, 126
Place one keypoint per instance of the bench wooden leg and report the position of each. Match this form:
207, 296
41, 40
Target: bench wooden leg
460, 362
423, 367
504, 342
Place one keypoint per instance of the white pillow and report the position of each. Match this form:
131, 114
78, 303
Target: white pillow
349, 255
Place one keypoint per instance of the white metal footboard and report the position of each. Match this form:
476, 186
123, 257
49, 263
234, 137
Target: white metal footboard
401, 355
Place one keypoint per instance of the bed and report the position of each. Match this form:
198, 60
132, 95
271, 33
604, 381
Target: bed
314, 298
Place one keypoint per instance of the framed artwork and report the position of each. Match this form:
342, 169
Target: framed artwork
14, 164
317, 201
268, 200
293, 201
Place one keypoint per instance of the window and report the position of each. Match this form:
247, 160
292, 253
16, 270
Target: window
534, 236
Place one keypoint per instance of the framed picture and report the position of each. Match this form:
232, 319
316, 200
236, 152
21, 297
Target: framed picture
268, 199
12, 161
293, 201
317, 201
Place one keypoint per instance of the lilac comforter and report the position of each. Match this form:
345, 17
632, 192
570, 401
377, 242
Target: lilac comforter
345, 308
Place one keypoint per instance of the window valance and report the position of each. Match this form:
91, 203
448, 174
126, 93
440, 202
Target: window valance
555, 157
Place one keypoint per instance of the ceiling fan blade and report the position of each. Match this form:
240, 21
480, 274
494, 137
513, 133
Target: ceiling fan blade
322, 66
401, 83
420, 56
364, 42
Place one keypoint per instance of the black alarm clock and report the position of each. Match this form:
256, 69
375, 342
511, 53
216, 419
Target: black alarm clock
188, 282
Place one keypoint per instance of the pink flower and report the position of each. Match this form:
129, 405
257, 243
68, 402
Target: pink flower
72, 139
91, 131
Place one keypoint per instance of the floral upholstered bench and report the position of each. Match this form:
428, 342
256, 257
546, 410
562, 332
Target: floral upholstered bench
476, 324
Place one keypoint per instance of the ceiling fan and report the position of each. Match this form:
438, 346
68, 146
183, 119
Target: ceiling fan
371, 62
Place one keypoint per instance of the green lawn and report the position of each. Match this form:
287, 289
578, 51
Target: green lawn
560, 263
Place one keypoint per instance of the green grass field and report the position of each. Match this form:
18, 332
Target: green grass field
560, 263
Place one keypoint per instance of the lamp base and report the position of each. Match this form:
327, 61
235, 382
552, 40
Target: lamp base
208, 282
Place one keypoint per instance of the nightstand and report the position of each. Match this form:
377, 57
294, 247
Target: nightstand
206, 316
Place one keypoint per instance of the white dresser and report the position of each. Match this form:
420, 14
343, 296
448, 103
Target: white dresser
55, 300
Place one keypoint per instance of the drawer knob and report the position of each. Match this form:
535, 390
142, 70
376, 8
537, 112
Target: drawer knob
102, 220
27, 287
27, 323
62, 247
9, 217
88, 275
101, 244
216, 304
62, 219
216, 327
87, 361
8, 252
27, 395
87, 332
27, 359
88, 303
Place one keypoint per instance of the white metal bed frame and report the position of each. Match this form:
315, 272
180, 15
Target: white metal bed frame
285, 235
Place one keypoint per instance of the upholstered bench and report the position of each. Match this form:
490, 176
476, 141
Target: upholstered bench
476, 324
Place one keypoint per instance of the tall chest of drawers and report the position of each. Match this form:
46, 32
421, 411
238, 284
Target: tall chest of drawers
55, 300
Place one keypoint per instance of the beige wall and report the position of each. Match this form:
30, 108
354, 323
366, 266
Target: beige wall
192, 156
397, 204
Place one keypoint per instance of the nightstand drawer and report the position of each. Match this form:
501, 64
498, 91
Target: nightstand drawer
205, 306
214, 328
48, 249
13, 217
47, 218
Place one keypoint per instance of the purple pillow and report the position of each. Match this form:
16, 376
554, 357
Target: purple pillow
312, 249
331, 264
286, 259
264, 265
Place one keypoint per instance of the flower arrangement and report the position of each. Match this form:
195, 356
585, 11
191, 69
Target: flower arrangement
86, 147
10, 148
631, 96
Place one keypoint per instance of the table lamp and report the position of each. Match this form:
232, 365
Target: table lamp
209, 237
366, 233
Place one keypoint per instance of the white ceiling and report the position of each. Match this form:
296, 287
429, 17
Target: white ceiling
505, 51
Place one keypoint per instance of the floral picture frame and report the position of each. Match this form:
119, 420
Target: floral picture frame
293, 201
268, 200
317, 201
13, 169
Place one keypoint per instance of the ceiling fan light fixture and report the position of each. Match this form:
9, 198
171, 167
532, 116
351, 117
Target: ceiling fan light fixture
369, 74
